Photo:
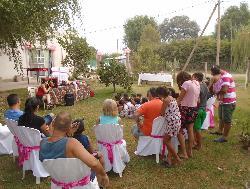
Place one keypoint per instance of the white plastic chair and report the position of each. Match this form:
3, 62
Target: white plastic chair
31, 138
11, 124
209, 110
68, 170
6, 139
112, 134
150, 145
31, 91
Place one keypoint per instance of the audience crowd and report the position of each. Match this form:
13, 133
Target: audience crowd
184, 112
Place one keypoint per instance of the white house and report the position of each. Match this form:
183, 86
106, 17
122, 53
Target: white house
34, 56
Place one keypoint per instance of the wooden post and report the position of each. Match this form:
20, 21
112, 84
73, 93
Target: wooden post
198, 40
218, 36
247, 73
205, 69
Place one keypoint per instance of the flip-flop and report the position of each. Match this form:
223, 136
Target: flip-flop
220, 140
215, 133
166, 164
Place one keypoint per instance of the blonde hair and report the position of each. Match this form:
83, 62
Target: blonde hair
110, 108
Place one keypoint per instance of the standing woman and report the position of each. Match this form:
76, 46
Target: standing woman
30, 119
188, 102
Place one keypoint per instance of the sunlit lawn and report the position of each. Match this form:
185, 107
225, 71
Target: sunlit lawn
215, 166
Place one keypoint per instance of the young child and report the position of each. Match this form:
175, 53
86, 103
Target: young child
172, 115
188, 101
144, 100
77, 131
137, 103
110, 113
138, 95
128, 107
201, 111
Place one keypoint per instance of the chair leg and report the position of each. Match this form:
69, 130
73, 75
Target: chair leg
157, 156
23, 174
120, 174
37, 180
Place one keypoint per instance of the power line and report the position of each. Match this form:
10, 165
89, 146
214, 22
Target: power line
155, 16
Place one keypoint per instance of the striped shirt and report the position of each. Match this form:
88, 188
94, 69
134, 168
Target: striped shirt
227, 80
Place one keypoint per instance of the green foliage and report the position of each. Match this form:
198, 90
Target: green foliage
177, 28
245, 135
78, 53
241, 47
134, 28
146, 58
30, 21
113, 73
233, 19
206, 52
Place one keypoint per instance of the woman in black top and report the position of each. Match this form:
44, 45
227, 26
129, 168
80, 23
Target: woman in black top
30, 119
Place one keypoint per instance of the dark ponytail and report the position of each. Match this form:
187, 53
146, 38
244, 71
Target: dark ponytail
31, 105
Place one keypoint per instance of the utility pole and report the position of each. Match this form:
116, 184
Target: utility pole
231, 40
218, 36
198, 39
117, 45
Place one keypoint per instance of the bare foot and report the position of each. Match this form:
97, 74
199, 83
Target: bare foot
190, 153
197, 147
177, 162
182, 156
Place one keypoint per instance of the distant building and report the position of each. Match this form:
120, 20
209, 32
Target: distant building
34, 56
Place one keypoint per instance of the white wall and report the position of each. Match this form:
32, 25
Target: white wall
7, 70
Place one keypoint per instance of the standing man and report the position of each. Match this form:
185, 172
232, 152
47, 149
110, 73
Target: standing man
149, 110
225, 90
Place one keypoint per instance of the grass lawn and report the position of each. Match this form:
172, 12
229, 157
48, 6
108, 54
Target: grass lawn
215, 166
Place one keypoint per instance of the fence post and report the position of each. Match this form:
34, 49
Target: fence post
247, 72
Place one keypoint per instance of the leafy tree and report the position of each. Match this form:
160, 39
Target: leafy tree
113, 73
146, 58
241, 47
233, 19
78, 53
133, 30
30, 21
177, 28
206, 52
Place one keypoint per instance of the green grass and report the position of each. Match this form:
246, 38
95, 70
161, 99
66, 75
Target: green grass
215, 166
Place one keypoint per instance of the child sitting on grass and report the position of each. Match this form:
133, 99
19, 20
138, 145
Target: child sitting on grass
170, 111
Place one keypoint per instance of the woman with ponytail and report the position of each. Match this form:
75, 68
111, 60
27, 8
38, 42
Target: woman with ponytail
30, 119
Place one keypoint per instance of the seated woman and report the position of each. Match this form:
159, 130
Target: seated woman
43, 92
30, 119
110, 113
60, 146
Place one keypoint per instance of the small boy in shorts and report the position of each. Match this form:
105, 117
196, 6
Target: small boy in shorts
201, 109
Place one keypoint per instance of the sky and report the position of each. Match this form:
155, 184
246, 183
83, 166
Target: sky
102, 21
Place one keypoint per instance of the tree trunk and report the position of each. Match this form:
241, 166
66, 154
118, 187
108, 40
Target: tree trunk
247, 81
205, 69
114, 86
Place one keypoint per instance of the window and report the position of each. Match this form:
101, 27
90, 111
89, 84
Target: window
39, 57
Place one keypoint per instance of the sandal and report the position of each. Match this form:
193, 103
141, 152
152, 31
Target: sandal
215, 133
